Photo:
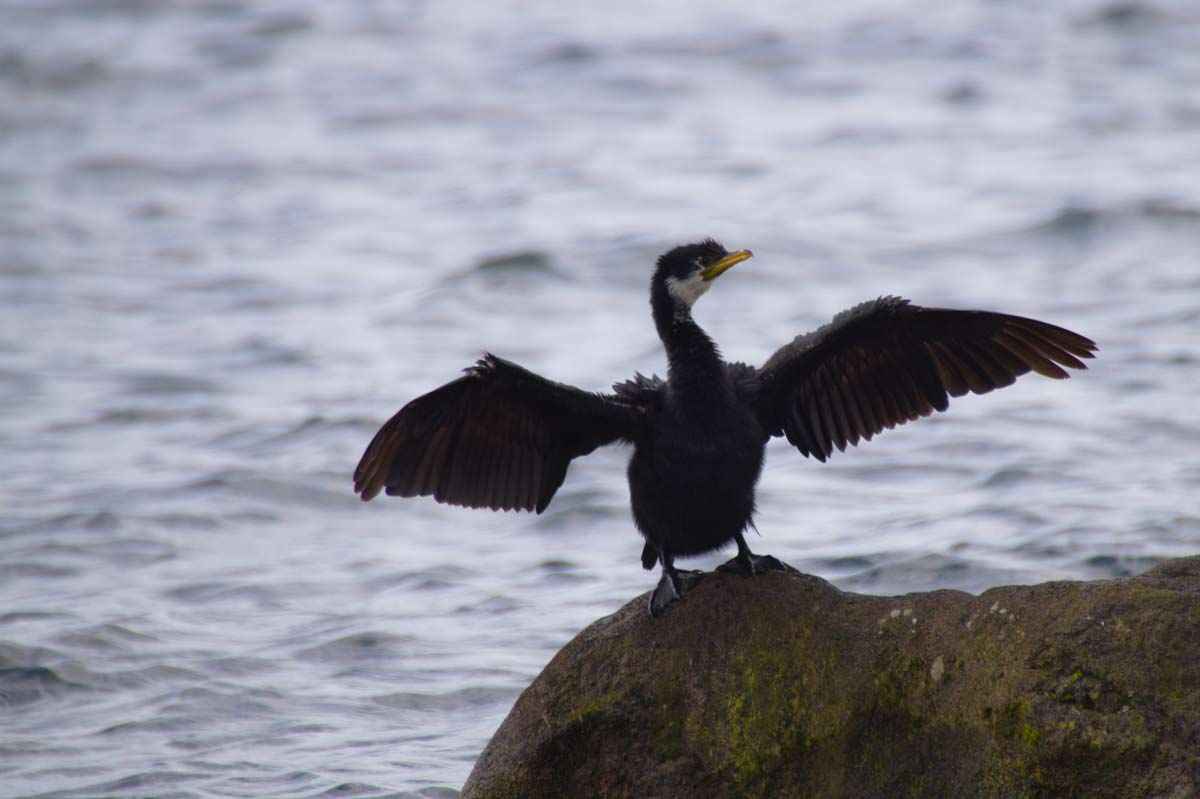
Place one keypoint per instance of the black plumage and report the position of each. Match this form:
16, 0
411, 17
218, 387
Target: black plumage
502, 437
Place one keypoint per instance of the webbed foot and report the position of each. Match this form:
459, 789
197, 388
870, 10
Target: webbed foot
747, 564
750, 564
673, 585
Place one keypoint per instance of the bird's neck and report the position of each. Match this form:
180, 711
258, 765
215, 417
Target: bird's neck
693, 360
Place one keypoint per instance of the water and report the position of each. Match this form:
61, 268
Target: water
235, 237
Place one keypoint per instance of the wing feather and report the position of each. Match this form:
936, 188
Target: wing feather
854, 423
977, 379
885, 383
1031, 354
997, 376
818, 433
827, 418
869, 391
499, 437
948, 369
887, 362
866, 411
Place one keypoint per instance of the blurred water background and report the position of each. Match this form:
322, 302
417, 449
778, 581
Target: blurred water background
235, 237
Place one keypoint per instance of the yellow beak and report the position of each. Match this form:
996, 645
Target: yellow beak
725, 264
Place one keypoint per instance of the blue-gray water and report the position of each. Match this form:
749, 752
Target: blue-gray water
235, 237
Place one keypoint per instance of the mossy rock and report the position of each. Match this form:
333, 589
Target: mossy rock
783, 686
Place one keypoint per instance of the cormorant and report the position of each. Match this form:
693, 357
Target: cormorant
501, 437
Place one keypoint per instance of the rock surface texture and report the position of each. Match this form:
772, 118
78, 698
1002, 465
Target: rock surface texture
783, 686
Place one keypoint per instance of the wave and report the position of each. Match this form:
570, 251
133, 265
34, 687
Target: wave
1080, 219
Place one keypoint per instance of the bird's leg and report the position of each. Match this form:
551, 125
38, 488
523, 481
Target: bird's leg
673, 584
649, 556
748, 564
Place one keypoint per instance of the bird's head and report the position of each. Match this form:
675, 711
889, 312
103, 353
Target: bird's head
686, 272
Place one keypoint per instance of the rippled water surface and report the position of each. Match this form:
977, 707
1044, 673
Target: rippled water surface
235, 237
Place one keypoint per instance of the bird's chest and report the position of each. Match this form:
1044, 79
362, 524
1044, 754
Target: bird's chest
717, 450
692, 484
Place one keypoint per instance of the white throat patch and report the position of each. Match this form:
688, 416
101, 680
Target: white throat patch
688, 290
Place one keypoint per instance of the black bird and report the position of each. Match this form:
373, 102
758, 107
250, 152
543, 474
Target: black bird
501, 437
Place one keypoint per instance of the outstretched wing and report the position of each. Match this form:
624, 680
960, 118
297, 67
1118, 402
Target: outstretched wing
887, 362
500, 437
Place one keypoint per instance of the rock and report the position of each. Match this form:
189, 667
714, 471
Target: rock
783, 686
